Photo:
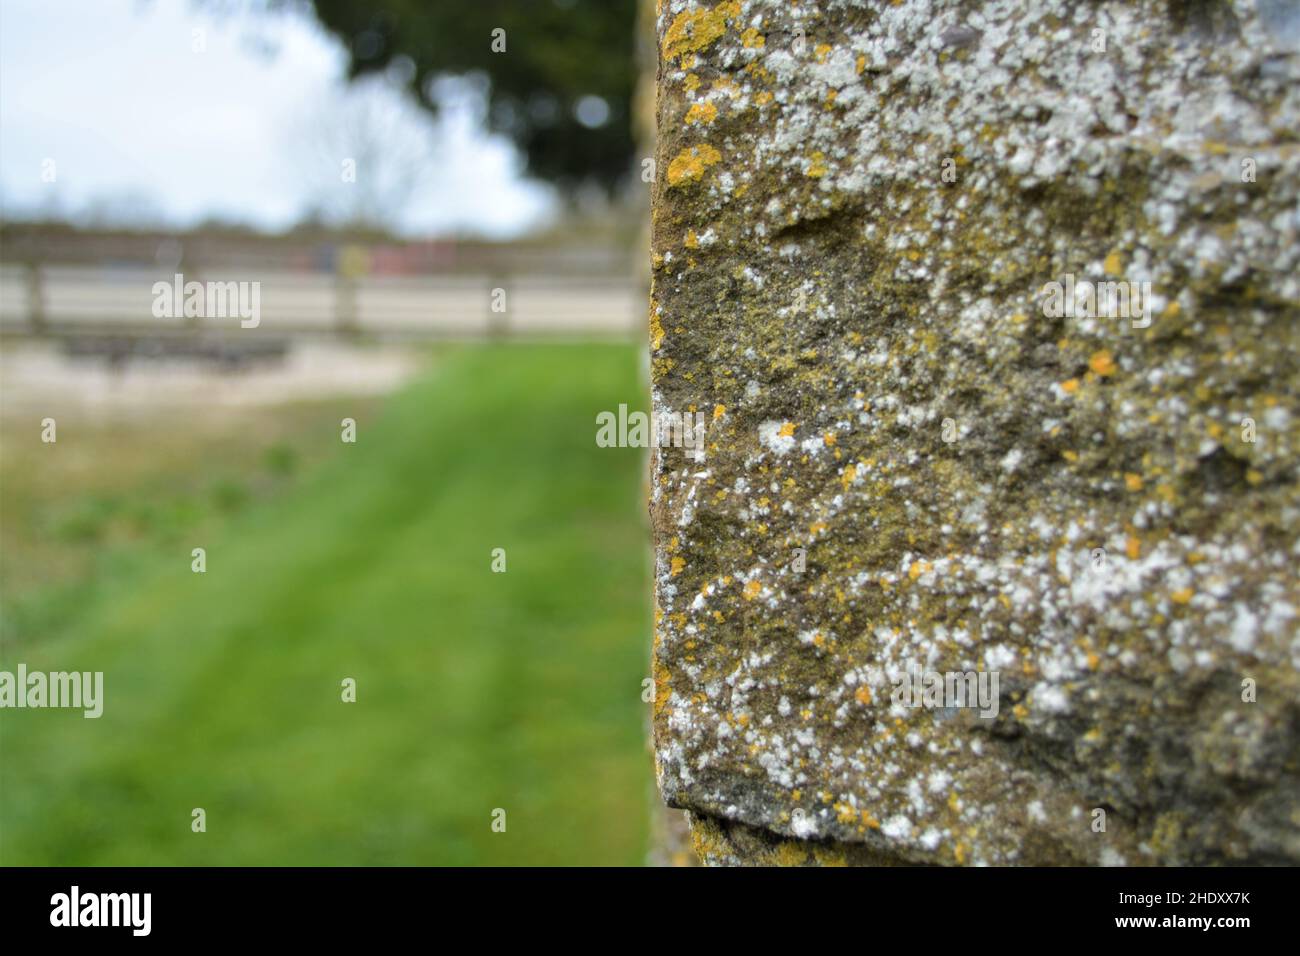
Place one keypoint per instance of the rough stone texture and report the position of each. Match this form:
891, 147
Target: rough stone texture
827, 299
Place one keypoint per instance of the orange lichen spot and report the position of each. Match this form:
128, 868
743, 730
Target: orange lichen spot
830, 438
689, 165
677, 565
702, 113
1182, 596
1021, 711
816, 528
1070, 386
917, 569
1133, 548
751, 590
863, 695
763, 98
1102, 363
695, 30
656, 331
821, 51
787, 430
869, 821
719, 411
1132, 482
860, 65
1093, 661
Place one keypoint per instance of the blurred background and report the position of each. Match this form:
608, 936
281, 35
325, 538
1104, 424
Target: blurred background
444, 210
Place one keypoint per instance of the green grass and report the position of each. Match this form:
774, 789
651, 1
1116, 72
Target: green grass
475, 690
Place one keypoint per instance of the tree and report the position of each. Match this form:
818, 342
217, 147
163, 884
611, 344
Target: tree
560, 73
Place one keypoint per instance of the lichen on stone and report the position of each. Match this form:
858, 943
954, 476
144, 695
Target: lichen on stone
851, 243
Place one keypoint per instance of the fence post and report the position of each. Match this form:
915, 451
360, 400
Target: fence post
35, 298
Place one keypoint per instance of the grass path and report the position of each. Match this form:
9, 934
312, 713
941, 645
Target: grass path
475, 690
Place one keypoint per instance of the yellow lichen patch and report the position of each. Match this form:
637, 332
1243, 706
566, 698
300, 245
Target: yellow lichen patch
917, 569
830, 438
689, 165
1102, 363
763, 98
1070, 386
1113, 265
846, 478
845, 813
1133, 548
789, 854
656, 331
751, 590
1070, 456
816, 528
1132, 482
692, 241
860, 65
1253, 476
830, 100
787, 430
863, 695
725, 84
702, 113
692, 83
1182, 596
719, 411
677, 565
821, 51
751, 39
817, 167
696, 30
1093, 660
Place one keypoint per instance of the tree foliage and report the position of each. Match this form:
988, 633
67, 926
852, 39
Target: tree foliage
558, 54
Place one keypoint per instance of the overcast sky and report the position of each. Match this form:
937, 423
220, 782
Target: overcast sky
165, 108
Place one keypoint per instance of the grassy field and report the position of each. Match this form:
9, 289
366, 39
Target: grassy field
475, 690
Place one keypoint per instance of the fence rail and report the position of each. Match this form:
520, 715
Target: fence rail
60, 300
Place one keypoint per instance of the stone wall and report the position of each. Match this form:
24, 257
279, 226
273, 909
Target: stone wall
973, 567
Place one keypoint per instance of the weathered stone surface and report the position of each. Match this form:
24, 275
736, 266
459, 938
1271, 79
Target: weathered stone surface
829, 299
